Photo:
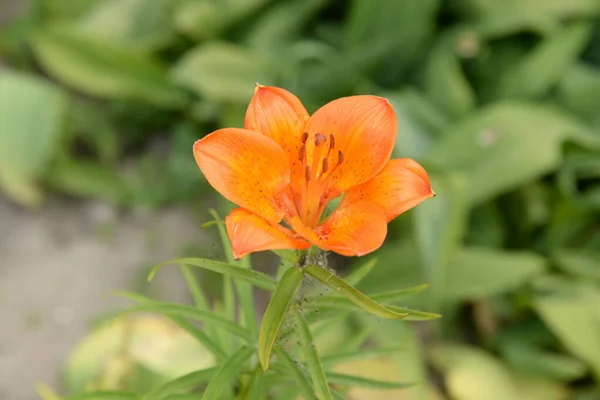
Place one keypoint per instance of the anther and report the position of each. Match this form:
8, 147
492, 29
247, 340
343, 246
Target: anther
302, 152
325, 165
307, 173
319, 138
340, 157
304, 137
331, 142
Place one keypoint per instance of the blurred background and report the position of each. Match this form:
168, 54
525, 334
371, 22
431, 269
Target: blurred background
101, 101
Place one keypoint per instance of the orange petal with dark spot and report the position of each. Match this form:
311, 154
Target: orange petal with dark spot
247, 168
364, 132
249, 233
355, 230
400, 186
278, 114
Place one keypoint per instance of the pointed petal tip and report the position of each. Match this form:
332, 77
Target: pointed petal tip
258, 86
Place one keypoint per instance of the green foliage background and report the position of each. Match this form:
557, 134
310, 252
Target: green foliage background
498, 99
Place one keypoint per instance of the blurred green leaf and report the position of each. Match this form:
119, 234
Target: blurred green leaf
336, 283
141, 25
178, 384
579, 90
537, 362
571, 312
358, 354
311, 358
256, 278
360, 272
31, 117
104, 395
439, 224
204, 19
513, 142
223, 72
224, 376
544, 66
480, 272
582, 263
104, 69
353, 380
404, 28
89, 179
182, 310
46, 392
473, 374
202, 336
579, 179
156, 352
275, 313
282, 22
445, 82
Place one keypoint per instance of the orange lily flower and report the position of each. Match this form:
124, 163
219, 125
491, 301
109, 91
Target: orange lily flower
285, 166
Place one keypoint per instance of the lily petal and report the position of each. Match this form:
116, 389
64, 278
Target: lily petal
400, 186
364, 132
247, 168
249, 233
278, 114
355, 230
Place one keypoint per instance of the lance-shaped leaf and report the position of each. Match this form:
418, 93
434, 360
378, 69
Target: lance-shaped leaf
338, 284
256, 278
283, 296
313, 362
182, 310
226, 373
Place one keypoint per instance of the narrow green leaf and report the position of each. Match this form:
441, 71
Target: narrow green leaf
356, 276
353, 380
198, 296
244, 290
186, 381
182, 310
313, 362
227, 373
273, 318
359, 354
256, 278
303, 383
104, 395
415, 315
388, 296
194, 288
255, 387
192, 329
336, 283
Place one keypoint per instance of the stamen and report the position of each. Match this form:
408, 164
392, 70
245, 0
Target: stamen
302, 152
307, 173
340, 157
304, 137
319, 138
325, 165
331, 142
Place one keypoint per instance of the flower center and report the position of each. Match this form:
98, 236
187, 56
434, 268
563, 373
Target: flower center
320, 161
